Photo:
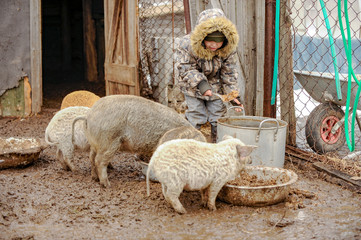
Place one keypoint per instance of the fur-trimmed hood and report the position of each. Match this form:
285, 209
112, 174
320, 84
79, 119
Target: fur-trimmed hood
209, 21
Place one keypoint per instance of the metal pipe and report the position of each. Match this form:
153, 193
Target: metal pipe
173, 45
268, 109
187, 16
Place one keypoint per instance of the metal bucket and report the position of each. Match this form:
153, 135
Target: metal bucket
268, 134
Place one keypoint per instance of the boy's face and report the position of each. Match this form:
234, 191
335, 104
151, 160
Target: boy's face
212, 45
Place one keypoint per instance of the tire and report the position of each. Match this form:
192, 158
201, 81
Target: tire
318, 128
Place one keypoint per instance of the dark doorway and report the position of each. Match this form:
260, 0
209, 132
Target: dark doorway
63, 55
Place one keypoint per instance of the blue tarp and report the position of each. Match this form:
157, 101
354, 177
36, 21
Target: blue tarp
314, 54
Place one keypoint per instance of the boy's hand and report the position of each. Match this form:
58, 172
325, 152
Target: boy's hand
237, 102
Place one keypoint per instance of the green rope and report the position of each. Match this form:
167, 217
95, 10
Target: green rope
275, 66
349, 60
333, 52
347, 45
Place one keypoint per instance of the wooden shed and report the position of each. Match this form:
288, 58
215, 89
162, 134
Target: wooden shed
96, 43
49, 45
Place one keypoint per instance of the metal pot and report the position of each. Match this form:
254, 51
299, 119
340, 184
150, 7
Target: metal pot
268, 134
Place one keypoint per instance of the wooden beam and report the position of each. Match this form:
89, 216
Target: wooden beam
287, 101
334, 176
127, 72
112, 29
260, 36
336, 173
36, 78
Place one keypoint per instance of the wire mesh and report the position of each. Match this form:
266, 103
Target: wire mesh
161, 23
317, 110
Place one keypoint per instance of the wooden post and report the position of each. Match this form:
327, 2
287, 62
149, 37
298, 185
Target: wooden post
287, 102
268, 109
90, 53
36, 77
260, 42
187, 16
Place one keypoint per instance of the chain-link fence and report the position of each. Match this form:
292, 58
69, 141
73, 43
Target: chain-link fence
319, 113
319, 61
161, 23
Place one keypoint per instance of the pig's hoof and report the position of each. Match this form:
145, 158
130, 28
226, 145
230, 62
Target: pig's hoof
66, 167
72, 168
181, 211
105, 183
212, 208
95, 177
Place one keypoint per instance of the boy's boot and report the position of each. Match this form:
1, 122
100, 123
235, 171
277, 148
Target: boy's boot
214, 132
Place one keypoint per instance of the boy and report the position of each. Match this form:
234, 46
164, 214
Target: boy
206, 62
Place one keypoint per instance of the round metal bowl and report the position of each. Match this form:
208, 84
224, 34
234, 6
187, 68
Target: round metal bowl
260, 195
19, 152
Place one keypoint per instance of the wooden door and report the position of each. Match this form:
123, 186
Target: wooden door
121, 47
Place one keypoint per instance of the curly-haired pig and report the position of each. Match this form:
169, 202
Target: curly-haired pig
192, 165
59, 133
126, 123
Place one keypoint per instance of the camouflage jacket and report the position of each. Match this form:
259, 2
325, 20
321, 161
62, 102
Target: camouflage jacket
195, 63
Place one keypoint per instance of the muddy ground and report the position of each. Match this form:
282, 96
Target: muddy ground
44, 201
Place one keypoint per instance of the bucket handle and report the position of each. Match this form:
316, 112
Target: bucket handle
244, 114
260, 125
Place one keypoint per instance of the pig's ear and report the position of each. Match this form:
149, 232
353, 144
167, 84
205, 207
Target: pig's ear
226, 137
245, 151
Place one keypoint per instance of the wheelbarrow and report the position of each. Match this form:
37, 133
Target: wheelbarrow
325, 125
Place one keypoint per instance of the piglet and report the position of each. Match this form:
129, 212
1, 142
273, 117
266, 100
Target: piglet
188, 164
66, 136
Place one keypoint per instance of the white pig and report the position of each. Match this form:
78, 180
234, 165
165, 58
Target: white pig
126, 123
59, 133
193, 165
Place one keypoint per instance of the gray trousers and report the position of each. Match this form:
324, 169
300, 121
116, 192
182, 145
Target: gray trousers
201, 111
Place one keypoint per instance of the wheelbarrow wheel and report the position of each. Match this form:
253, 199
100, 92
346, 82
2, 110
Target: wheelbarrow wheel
319, 125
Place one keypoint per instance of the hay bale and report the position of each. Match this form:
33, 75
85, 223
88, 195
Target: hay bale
79, 98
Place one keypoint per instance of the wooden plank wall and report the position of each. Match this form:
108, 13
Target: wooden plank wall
249, 18
16, 102
121, 49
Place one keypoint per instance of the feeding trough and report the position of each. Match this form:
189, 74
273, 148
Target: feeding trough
258, 186
19, 152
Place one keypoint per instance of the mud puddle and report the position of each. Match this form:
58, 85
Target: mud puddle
43, 201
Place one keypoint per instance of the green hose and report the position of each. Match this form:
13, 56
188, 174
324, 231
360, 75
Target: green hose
349, 60
333, 52
275, 65
347, 45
